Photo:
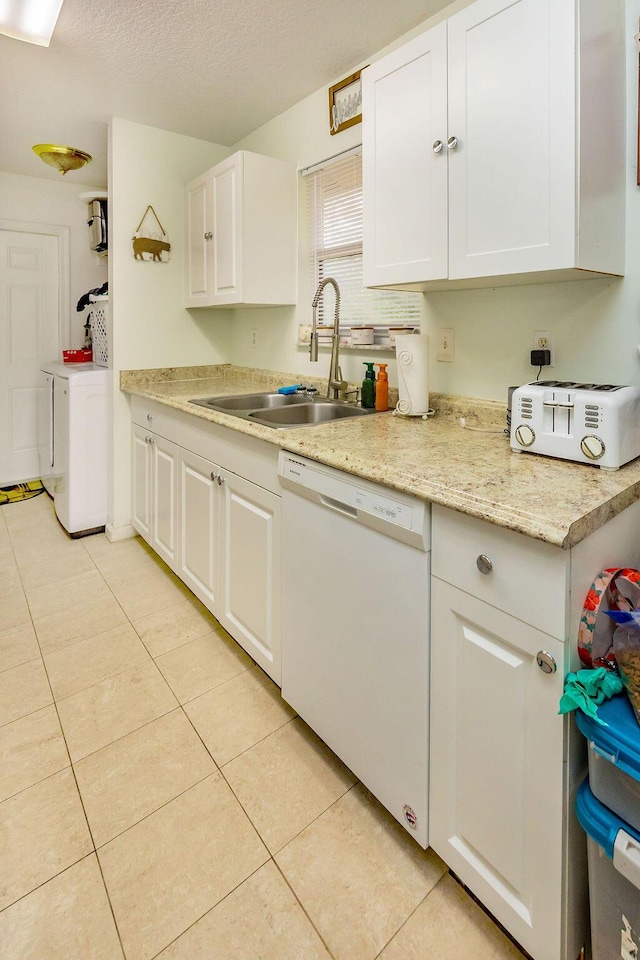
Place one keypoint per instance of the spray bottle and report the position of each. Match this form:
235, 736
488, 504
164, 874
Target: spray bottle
382, 387
369, 388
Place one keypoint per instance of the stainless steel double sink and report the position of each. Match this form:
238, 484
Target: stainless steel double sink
283, 410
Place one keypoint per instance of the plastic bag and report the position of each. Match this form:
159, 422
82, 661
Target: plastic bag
626, 646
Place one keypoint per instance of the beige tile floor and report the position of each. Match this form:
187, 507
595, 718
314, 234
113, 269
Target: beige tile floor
159, 799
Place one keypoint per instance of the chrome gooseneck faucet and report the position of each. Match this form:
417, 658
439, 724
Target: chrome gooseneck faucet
336, 386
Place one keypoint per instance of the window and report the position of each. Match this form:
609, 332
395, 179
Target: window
334, 208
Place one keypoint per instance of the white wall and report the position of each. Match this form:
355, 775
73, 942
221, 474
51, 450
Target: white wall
35, 200
149, 325
594, 323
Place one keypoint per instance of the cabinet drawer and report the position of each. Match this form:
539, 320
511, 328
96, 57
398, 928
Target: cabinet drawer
525, 577
150, 415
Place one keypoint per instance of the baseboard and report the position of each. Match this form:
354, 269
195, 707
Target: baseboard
119, 533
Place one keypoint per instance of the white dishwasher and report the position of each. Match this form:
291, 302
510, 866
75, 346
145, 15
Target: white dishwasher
355, 638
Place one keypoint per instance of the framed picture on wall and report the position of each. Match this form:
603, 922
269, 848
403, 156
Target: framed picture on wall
345, 103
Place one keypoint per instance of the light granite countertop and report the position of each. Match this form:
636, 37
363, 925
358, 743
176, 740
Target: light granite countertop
473, 471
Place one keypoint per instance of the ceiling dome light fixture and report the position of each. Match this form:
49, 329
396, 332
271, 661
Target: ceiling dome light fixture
30, 20
62, 158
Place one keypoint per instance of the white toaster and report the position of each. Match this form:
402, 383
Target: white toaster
590, 423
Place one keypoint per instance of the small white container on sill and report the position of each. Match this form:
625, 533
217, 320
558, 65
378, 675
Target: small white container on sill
398, 332
361, 336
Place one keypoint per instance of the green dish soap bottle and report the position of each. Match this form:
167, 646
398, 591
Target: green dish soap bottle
369, 388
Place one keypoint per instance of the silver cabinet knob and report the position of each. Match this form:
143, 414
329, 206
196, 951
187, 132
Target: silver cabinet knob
437, 146
208, 235
148, 439
149, 417
214, 476
220, 479
484, 564
452, 143
546, 662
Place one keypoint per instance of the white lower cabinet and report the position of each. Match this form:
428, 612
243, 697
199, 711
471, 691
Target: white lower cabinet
249, 602
219, 531
154, 485
504, 766
496, 803
199, 526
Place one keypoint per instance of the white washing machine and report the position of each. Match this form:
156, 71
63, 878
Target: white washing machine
73, 443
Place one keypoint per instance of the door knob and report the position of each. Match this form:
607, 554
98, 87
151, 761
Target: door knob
214, 476
208, 235
437, 146
149, 440
484, 564
220, 479
452, 143
149, 417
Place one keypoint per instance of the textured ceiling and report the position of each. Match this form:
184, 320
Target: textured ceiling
212, 69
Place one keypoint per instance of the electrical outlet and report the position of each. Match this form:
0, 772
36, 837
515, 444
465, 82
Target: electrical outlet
543, 340
445, 344
254, 338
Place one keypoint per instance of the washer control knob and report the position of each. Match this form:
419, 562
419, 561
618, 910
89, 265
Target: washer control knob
524, 435
592, 447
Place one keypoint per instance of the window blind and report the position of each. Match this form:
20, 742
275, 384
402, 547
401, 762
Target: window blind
334, 211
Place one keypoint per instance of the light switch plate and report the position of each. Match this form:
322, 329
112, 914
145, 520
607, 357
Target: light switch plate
445, 344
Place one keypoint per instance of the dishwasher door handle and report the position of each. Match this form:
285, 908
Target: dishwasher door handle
339, 506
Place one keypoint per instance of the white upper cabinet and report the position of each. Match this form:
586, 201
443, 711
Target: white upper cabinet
241, 233
494, 148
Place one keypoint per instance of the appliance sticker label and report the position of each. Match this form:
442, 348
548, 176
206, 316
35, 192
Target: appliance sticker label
412, 820
628, 946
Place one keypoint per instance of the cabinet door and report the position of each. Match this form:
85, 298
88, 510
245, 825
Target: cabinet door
141, 481
164, 499
404, 178
249, 603
199, 242
198, 525
226, 180
496, 811
511, 71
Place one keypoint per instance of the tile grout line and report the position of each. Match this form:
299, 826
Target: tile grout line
270, 856
84, 812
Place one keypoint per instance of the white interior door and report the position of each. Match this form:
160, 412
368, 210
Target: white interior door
29, 278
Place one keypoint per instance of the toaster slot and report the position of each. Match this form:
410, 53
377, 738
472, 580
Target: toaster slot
558, 413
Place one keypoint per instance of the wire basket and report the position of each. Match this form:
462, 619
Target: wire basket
98, 321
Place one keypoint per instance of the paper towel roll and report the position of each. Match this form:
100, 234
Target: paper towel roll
412, 354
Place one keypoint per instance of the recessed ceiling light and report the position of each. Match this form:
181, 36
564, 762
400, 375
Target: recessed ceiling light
30, 20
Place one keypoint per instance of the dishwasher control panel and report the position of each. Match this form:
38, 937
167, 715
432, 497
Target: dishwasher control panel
359, 499
389, 510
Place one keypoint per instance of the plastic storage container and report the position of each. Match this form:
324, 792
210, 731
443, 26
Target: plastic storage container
614, 757
614, 879
98, 319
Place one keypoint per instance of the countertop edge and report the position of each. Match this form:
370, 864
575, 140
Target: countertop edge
327, 444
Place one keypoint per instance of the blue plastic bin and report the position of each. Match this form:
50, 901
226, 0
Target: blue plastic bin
614, 757
614, 879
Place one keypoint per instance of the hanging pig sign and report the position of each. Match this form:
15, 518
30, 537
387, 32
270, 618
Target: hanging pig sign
148, 248
153, 245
